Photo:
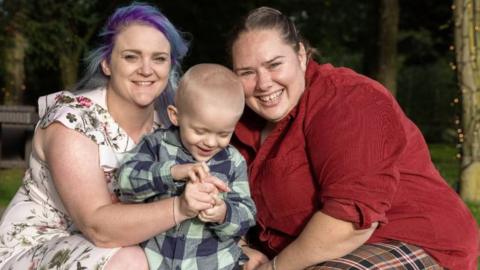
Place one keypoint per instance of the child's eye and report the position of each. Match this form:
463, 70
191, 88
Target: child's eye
225, 135
199, 132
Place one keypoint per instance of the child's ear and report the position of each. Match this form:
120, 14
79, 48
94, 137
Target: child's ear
173, 114
105, 68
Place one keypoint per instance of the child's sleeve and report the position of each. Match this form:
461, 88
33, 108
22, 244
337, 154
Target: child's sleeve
145, 172
241, 209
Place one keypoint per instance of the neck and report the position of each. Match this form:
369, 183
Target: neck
266, 131
136, 121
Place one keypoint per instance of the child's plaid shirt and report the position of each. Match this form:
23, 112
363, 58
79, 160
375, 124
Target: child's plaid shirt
193, 244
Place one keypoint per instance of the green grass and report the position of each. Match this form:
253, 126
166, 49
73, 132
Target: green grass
10, 180
475, 209
444, 156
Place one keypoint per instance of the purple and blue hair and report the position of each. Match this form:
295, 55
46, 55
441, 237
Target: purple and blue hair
137, 13
142, 14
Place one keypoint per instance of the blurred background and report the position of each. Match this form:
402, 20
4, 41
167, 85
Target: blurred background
43, 43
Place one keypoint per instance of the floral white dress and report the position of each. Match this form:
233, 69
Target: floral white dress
35, 231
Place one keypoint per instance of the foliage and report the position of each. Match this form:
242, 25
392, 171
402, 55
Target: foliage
331, 26
54, 30
426, 26
342, 31
10, 180
206, 28
61, 27
426, 95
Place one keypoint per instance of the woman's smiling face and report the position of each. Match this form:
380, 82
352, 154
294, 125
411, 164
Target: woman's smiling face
271, 71
140, 64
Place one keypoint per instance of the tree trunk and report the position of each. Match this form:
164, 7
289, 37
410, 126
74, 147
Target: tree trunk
467, 46
69, 69
15, 69
387, 44
380, 53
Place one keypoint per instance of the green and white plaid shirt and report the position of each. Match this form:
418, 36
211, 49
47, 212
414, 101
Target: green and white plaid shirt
193, 244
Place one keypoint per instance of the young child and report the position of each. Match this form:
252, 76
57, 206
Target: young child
209, 102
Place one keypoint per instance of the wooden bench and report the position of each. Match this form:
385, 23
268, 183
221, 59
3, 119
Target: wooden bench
21, 119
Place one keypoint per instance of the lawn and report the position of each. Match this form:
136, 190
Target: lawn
9, 182
444, 157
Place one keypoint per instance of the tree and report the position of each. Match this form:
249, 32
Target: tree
57, 39
386, 69
380, 59
63, 31
467, 47
14, 49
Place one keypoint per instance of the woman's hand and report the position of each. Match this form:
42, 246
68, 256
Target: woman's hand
257, 260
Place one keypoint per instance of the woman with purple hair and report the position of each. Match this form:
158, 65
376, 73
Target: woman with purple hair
66, 215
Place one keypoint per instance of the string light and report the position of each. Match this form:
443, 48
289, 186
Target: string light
468, 90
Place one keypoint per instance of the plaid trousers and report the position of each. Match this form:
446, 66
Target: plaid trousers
392, 255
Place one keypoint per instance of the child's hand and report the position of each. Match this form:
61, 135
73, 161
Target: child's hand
216, 214
196, 197
219, 184
190, 171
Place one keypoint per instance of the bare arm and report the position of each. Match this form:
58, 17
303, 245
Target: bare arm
324, 238
74, 165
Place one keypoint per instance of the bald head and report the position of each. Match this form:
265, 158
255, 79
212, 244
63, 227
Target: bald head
209, 86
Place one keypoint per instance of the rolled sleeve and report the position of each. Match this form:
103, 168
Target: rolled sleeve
354, 148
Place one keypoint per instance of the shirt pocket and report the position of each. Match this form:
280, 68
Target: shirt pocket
289, 191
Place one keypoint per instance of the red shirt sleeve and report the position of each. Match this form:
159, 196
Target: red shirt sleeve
354, 140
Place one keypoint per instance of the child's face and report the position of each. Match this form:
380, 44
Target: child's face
206, 131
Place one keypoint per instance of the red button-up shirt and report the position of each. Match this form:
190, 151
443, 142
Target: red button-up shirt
348, 150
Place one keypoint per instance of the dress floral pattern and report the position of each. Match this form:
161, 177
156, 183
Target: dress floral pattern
35, 230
